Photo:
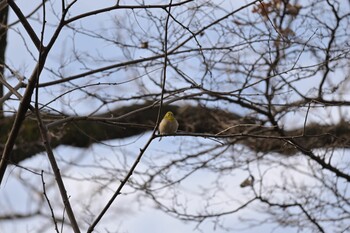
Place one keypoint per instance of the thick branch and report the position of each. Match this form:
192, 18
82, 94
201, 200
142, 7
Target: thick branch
194, 121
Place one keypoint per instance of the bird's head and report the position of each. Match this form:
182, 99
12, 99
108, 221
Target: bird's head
169, 116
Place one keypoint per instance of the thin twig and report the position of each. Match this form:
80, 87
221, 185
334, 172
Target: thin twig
165, 65
48, 201
143, 150
46, 141
305, 120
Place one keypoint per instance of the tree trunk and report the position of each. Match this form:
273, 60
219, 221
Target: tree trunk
3, 44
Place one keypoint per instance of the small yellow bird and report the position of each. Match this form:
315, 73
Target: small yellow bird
168, 125
247, 182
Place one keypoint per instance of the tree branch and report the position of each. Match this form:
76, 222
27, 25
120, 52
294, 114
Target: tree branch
132, 120
25, 24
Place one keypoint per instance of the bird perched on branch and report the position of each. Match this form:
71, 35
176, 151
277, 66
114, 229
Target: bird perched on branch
168, 125
247, 182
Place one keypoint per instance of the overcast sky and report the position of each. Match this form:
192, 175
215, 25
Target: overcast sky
126, 214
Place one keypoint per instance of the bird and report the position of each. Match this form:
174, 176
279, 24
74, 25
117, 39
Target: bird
247, 182
168, 125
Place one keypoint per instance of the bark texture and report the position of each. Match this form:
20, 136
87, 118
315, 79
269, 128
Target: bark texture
200, 122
